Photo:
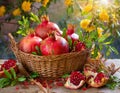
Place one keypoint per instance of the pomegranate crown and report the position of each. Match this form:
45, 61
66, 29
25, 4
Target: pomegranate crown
70, 28
45, 18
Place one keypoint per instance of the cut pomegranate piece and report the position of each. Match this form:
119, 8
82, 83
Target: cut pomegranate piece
75, 81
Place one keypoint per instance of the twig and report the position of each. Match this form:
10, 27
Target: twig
23, 71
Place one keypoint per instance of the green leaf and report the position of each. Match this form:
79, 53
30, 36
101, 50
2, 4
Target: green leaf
13, 73
113, 82
4, 82
21, 79
13, 83
114, 50
7, 74
70, 42
103, 38
69, 10
65, 76
38, 50
80, 35
34, 75
64, 32
118, 33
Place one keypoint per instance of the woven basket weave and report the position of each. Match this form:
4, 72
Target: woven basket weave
53, 66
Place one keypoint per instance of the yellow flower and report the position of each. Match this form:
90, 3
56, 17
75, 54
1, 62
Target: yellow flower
99, 30
91, 28
26, 6
68, 2
37, 0
45, 2
16, 12
85, 23
2, 10
88, 8
103, 15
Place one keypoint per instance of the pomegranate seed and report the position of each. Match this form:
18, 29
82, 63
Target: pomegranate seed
84, 89
17, 88
59, 84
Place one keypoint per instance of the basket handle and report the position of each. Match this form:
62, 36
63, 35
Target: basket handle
12, 41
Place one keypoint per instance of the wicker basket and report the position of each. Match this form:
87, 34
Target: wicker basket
53, 66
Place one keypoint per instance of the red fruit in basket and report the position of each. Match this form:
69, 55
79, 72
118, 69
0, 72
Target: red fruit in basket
71, 33
75, 81
80, 46
29, 43
54, 45
46, 27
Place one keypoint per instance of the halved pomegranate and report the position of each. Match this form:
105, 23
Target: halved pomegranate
97, 80
75, 81
10, 63
95, 77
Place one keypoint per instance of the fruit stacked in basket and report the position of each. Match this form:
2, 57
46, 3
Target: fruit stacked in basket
49, 51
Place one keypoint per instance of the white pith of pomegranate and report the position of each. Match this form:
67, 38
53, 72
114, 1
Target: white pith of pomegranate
79, 46
75, 81
28, 44
54, 45
46, 27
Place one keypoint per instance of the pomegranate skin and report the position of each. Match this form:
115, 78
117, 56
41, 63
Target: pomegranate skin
54, 45
28, 43
46, 27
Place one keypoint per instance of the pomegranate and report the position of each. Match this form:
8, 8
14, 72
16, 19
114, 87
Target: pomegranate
75, 81
71, 33
46, 27
97, 80
7, 65
79, 46
93, 77
54, 45
29, 43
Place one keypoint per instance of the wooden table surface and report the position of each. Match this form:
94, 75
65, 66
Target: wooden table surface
34, 89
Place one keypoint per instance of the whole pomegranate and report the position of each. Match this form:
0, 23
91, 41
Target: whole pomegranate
75, 81
46, 27
54, 45
29, 43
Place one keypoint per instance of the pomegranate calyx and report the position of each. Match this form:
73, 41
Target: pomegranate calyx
70, 29
44, 19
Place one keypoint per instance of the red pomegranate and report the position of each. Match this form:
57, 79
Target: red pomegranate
54, 45
79, 46
46, 27
71, 33
29, 43
94, 78
75, 81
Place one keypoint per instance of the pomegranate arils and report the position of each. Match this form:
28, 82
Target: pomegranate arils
8, 64
99, 77
76, 77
